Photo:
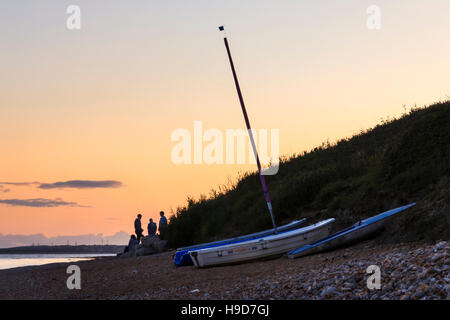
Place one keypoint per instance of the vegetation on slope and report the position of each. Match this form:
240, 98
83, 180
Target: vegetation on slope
395, 163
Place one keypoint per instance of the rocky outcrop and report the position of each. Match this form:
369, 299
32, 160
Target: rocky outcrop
148, 246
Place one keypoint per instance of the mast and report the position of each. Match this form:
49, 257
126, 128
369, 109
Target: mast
247, 122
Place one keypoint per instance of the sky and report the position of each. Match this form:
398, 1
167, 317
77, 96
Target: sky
86, 115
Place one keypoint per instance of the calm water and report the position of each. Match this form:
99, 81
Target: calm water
8, 261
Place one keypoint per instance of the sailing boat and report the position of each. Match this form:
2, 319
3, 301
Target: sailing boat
275, 241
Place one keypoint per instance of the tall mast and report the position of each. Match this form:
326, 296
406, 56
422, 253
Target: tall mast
247, 122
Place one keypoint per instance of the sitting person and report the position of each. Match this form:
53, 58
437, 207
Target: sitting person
132, 243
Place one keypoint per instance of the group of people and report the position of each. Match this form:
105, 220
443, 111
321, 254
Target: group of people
151, 228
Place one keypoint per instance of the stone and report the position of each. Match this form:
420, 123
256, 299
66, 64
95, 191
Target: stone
155, 243
436, 257
144, 251
447, 288
440, 245
419, 294
326, 293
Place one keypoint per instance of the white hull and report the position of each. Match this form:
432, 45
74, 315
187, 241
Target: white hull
268, 246
293, 225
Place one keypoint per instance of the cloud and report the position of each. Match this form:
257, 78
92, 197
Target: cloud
82, 184
77, 184
20, 183
6, 190
39, 203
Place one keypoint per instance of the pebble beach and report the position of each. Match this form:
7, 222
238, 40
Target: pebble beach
408, 271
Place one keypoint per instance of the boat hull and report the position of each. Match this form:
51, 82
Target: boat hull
342, 241
265, 247
362, 229
182, 257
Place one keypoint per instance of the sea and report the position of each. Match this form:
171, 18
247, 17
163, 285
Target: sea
8, 261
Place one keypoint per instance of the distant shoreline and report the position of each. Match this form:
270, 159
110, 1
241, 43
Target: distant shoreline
63, 249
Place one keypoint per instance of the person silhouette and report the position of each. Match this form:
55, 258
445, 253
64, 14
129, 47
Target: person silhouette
151, 228
162, 225
138, 228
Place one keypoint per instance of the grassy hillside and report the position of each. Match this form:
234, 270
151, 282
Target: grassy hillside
397, 162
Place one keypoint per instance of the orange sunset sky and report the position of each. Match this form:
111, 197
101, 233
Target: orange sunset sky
100, 103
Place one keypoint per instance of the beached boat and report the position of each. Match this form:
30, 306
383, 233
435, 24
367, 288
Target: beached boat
277, 240
358, 231
265, 247
182, 257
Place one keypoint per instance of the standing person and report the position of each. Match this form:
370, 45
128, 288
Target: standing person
137, 227
151, 228
162, 225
